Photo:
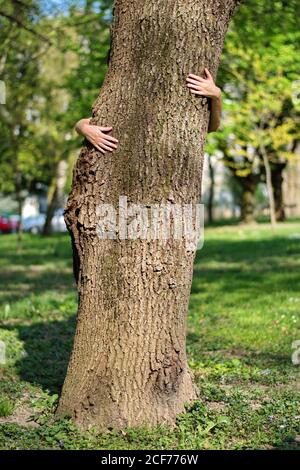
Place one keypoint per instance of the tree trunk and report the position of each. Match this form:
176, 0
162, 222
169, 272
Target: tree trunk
248, 204
248, 184
57, 198
128, 366
269, 186
277, 184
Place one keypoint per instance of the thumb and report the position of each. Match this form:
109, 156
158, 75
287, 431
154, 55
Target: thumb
106, 129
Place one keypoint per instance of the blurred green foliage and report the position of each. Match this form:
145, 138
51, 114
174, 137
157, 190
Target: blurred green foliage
54, 59
259, 77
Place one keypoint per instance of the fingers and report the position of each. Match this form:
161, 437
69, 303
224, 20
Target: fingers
195, 82
111, 138
102, 147
109, 144
195, 87
105, 142
99, 148
202, 86
100, 140
106, 147
195, 77
198, 92
208, 74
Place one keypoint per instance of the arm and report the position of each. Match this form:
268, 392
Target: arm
97, 135
207, 87
80, 125
215, 113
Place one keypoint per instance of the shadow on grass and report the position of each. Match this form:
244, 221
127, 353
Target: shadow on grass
222, 249
48, 347
18, 285
43, 264
252, 265
288, 445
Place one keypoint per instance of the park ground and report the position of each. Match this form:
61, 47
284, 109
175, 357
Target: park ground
244, 315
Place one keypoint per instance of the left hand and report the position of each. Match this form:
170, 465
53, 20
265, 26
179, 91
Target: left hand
203, 86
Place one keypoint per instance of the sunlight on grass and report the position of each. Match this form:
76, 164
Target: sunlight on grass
243, 318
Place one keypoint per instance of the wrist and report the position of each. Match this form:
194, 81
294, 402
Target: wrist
82, 126
218, 94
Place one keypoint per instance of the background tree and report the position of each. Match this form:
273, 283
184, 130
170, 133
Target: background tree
60, 67
19, 49
258, 73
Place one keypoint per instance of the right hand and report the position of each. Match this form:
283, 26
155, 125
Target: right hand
99, 138
203, 86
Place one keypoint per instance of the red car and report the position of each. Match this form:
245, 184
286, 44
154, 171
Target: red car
8, 224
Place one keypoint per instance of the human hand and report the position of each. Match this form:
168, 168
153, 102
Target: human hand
98, 137
203, 86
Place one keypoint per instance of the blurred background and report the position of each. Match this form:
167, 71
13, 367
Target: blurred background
243, 321
53, 62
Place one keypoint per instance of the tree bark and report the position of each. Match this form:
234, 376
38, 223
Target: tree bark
269, 186
248, 184
248, 204
128, 366
277, 184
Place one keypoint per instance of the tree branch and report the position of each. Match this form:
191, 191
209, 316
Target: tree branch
24, 26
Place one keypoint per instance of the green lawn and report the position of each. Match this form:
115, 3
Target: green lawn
243, 318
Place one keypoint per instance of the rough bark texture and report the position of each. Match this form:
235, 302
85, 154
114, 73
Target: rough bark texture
128, 366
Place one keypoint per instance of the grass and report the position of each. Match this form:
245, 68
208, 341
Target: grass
243, 317
6, 406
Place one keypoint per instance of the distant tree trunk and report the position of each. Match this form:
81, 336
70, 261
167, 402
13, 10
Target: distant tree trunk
277, 170
248, 185
210, 203
57, 198
128, 366
291, 187
248, 205
269, 185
